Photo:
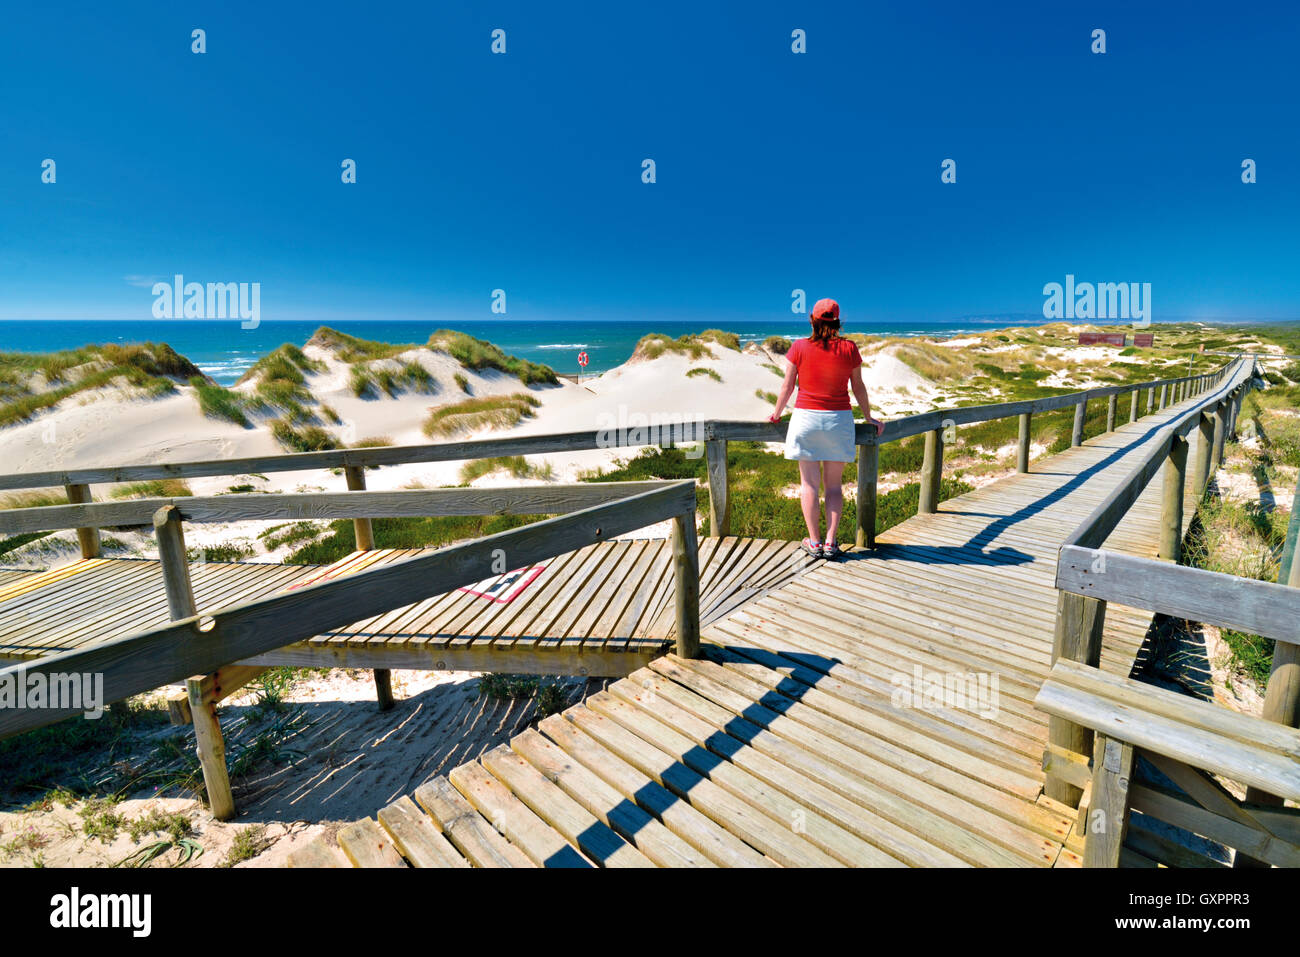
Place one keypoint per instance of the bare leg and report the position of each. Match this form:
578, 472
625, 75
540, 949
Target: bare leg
809, 482
834, 472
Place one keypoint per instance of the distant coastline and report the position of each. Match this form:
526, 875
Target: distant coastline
225, 351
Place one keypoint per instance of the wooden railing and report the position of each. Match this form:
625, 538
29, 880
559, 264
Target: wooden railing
713, 434
1088, 576
200, 644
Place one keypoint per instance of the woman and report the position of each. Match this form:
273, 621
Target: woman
820, 436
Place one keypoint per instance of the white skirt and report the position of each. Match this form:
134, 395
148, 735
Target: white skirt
820, 436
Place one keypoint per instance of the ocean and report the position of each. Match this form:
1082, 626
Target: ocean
224, 350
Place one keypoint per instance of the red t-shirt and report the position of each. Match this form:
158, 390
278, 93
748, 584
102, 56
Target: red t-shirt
824, 373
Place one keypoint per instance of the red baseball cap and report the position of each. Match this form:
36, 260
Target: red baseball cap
826, 309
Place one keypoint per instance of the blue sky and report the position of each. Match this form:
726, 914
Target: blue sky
775, 171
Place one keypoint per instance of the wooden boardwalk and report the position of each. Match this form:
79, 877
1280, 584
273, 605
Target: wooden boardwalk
789, 742
602, 610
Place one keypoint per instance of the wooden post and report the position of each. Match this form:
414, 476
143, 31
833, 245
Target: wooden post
1151, 399
1133, 407
931, 472
686, 572
1204, 450
1220, 435
1022, 450
180, 604
1080, 413
715, 451
1112, 402
868, 473
365, 534
1079, 624
363, 527
175, 566
1107, 819
1282, 697
87, 538
1164, 394
1171, 505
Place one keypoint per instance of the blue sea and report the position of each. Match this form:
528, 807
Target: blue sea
224, 350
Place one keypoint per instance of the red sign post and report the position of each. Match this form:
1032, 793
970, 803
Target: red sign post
582, 363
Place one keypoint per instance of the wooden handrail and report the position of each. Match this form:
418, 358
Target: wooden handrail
204, 643
405, 503
678, 433
1214, 598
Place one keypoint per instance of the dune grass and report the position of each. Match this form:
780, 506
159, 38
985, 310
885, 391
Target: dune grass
148, 367
494, 411
479, 354
218, 402
310, 438
701, 370
156, 488
515, 465
656, 344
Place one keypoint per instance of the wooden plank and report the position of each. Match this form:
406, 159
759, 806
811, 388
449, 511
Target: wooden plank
597, 841
417, 838
511, 817
366, 844
927, 815
606, 804
1188, 815
703, 834
473, 836
749, 818
1256, 607
357, 505
1238, 761
1107, 814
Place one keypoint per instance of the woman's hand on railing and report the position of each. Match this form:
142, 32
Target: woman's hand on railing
880, 426
774, 418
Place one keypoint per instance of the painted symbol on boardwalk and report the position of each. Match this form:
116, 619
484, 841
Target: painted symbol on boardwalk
582, 359
505, 588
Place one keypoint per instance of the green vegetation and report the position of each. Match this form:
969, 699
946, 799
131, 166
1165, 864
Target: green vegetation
728, 340
497, 411
701, 370
31, 382
60, 756
339, 538
778, 344
759, 480
516, 465
351, 349
311, 438
222, 552
656, 344
370, 380
248, 843
548, 698
766, 396
479, 354
462, 382
218, 402
156, 488
278, 536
